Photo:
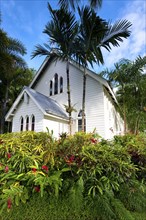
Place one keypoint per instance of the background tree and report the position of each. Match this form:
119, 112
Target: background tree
62, 31
11, 62
21, 77
130, 80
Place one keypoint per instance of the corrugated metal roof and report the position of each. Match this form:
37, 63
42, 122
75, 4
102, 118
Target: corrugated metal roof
49, 105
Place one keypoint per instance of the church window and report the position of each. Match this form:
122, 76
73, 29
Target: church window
61, 84
21, 124
32, 123
56, 84
80, 121
27, 123
51, 88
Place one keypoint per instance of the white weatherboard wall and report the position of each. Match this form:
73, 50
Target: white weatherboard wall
94, 95
94, 100
58, 126
27, 109
75, 84
94, 106
113, 121
43, 86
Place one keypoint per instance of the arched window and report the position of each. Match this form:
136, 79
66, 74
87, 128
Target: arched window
56, 84
27, 123
61, 84
51, 87
21, 124
80, 121
32, 123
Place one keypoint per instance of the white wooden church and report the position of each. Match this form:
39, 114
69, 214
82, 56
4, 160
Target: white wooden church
41, 105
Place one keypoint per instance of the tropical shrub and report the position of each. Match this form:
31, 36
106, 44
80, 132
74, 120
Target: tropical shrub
82, 176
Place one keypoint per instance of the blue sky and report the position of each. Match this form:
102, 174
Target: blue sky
26, 19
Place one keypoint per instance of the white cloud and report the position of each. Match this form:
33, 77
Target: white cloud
135, 12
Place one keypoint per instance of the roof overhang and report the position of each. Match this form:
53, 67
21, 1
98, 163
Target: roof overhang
56, 117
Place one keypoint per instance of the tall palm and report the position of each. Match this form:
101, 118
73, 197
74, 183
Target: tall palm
62, 31
96, 33
11, 51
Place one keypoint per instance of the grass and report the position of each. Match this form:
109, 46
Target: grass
46, 208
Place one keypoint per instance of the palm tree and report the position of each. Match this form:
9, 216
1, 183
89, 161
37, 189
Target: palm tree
130, 81
96, 33
62, 31
90, 27
10, 52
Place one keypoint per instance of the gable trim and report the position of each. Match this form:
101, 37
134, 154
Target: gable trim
40, 71
16, 103
11, 113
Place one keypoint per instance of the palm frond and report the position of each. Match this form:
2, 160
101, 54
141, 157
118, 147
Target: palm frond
62, 29
67, 3
18, 61
74, 3
16, 46
40, 51
115, 34
138, 64
96, 3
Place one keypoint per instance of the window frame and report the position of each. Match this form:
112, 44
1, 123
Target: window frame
80, 121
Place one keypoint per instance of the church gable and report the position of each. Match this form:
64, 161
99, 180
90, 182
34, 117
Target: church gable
27, 116
52, 80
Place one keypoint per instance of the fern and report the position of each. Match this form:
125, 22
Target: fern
119, 209
100, 207
134, 197
76, 194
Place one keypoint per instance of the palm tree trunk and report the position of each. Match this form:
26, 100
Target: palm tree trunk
124, 110
4, 108
83, 100
137, 125
125, 121
69, 97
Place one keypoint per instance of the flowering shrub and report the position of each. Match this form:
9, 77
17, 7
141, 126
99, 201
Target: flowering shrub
79, 168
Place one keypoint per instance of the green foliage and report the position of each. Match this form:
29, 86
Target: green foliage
130, 80
83, 177
12, 70
135, 145
135, 199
